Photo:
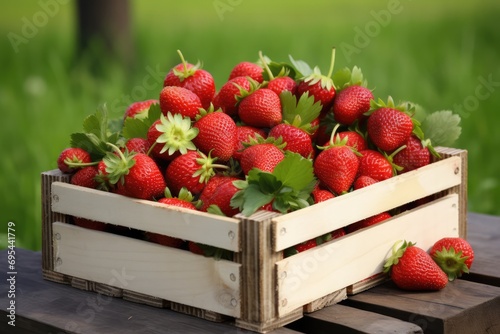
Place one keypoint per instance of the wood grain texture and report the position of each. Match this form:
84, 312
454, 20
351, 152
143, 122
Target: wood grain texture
337, 264
460, 189
160, 272
462, 307
47, 307
330, 299
290, 229
145, 215
258, 285
344, 319
48, 216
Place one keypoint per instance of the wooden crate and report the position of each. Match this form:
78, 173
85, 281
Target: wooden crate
260, 289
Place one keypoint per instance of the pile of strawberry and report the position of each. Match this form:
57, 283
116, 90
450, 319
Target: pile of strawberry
276, 136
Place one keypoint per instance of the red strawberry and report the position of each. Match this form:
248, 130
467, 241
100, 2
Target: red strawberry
194, 78
86, 177
354, 140
134, 174
221, 197
191, 170
217, 134
184, 200
213, 183
375, 165
363, 181
389, 127
247, 69
281, 84
73, 158
302, 247
454, 255
179, 100
414, 156
340, 232
351, 103
138, 145
171, 136
378, 218
195, 248
297, 140
320, 86
229, 94
243, 135
264, 156
412, 268
90, 224
139, 109
336, 166
262, 108
321, 195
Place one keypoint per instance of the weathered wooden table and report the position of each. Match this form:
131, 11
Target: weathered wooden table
468, 305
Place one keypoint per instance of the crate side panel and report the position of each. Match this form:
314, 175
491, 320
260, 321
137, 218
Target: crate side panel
309, 275
48, 216
148, 268
301, 225
144, 215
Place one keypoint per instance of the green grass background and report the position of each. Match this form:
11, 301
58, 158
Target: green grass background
436, 54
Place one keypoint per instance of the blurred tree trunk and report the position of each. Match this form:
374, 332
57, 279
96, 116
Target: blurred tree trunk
106, 24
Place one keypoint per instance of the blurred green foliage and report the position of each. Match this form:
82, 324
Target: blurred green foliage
442, 55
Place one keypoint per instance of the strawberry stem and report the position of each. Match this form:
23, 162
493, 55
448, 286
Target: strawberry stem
266, 67
332, 63
184, 63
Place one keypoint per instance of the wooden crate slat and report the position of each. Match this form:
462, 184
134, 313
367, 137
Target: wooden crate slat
144, 215
296, 227
148, 268
319, 271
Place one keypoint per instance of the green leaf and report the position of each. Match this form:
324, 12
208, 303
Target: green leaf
254, 198
342, 77
268, 183
302, 69
301, 113
138, 127
442, 128
278, 69
295, 171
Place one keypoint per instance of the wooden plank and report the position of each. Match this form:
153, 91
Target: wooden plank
461, 189
462, 307
329, 267
145, 215
484, 236
46, 307
259, 281
296, 227
163, 272
344, 319
330, 299
48, 216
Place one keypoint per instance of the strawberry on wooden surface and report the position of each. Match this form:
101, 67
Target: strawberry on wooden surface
375, 165
413, 156
194, 78
454, 255
412, 268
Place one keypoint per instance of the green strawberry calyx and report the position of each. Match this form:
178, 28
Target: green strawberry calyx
185, 72
204, 112
254, 85
282, 71
300, 113
346, 77
451, 262
177, 133
184, 195
118, 164
397, 253
335, 140
326, 81
258, 139
207, 167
